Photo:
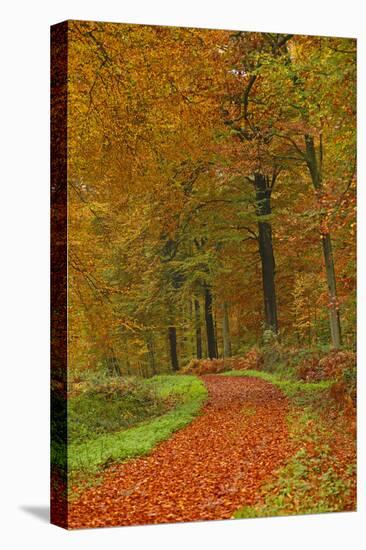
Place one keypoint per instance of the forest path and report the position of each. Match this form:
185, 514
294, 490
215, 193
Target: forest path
204, 471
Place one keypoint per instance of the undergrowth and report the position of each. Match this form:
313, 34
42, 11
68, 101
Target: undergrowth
316, 479
188, 394
112, 406
320, 476
301, 393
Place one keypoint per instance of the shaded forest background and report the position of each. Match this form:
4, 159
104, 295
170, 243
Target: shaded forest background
211, 185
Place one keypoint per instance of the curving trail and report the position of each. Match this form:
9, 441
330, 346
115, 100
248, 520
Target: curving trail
205, 471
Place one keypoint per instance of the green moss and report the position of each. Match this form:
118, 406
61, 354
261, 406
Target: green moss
111, 406
109, 447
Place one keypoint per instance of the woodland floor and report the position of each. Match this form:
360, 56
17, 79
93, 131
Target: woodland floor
204, 471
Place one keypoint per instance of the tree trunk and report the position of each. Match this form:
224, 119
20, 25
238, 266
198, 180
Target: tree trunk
263, 207
172, 334
216, 337
334, 317
198, 328
126, 356
151, 352
210, 328
226, 331
191, 334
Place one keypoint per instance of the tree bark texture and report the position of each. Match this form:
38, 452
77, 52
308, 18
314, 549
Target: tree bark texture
172, 335
210, 327
226, 331
314, 166
263, 208
197, 312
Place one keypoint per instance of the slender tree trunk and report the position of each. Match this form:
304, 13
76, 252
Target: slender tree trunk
216, 337
126, 356
198, 328
263, 207
334, 317
210, 328
172, 334
226, 331
315, 323
191, 333
151, 352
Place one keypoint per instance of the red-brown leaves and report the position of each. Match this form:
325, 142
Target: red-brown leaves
252, 360
205, 471
332, 366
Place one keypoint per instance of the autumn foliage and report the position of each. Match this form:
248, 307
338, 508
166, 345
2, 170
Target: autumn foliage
211, 194
211, 219
253, 360
334, 365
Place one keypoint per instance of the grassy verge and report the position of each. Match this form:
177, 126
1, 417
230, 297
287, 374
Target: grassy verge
320, 476
300, 393
110, 405
314, 480
92, 454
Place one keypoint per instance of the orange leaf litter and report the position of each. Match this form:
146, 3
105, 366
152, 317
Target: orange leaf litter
205, 471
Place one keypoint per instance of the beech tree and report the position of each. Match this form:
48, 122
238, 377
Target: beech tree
204, 166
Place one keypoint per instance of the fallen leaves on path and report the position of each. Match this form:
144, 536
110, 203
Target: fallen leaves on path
205, 471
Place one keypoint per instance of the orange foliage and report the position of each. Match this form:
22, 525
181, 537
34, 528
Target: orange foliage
331, 366
252, 360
